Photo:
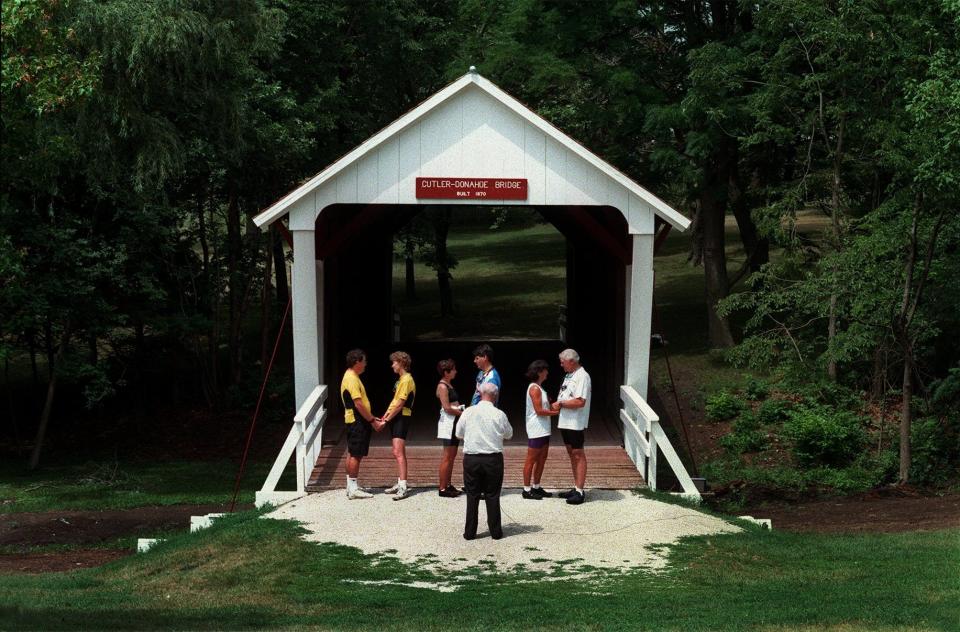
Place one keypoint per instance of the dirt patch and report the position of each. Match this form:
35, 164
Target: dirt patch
20, 533
94, 527
59, 561
889, 510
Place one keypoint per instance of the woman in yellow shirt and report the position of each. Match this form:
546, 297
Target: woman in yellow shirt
398, 416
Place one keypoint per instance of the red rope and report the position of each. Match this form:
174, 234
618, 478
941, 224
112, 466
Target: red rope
256, 412
673, 384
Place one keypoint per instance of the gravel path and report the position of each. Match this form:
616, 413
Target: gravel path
614, 529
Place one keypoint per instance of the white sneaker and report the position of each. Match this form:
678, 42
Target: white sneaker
358, 493
402, 492
392, 490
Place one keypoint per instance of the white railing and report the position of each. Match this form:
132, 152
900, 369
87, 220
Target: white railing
643, 435
303, 440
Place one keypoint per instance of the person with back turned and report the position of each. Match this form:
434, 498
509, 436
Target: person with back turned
483, 428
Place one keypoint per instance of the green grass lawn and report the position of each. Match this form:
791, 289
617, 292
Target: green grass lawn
106, 485
251, 573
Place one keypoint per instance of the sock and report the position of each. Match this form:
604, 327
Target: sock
526, 488
351, 484
578, 489
402, 483
535, 486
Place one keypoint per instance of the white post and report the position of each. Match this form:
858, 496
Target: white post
639, 311
321, 339
306, 348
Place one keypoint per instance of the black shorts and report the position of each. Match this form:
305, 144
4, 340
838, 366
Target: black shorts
452, 442
399, 426
358, 438
572, 438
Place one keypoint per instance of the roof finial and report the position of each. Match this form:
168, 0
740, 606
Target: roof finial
473, 70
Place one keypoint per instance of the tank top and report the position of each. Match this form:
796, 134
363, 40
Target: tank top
452, 395
537, 425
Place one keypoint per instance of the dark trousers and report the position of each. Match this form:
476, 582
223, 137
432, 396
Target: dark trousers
483, 476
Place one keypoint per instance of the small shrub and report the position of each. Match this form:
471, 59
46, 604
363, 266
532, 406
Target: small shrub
930, 452
757, 389
825, 436
723, 406
774, 411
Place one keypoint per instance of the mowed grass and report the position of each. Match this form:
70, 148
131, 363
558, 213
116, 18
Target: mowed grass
509, 283
109, 485
248, 573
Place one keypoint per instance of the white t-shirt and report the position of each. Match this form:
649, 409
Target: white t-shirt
483, 429
537, 425
576, 384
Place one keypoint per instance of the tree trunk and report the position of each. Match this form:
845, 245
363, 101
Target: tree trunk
234, 283
279, 272
715, 267
906, 418
835, 225
265, 304
757, 248
441, 228
48, 404
411, 283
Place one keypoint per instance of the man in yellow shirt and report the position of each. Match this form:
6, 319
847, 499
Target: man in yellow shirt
356, 404
398, 416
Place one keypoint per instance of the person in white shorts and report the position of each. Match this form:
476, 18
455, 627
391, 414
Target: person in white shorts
573, 403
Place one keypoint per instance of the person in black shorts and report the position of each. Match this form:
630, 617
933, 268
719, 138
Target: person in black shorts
398, 416
359, 420
450, 409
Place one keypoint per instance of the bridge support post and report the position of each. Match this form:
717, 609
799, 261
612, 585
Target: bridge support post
306, 321
639, 313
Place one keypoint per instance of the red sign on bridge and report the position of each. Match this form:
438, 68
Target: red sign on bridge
472, 188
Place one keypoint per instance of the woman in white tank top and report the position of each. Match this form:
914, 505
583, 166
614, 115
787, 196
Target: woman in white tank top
538, 431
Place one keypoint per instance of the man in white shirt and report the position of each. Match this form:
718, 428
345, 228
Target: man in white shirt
574, 406
483, 428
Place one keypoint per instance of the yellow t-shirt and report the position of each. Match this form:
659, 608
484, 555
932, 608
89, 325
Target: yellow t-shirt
406, 390
351, 388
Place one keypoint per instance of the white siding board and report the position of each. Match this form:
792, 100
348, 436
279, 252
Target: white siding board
303, 213
619, 198
409, 164
347, 185
535, 164
388, 168
578, 178
441, 133
639, 216
367, 181
555, 173
326, 195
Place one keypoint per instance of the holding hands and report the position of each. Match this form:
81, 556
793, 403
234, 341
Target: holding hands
378, 423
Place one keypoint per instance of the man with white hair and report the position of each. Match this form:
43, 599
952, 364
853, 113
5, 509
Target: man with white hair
574, 406
483, 428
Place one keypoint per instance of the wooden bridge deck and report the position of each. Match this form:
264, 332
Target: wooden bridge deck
608, 467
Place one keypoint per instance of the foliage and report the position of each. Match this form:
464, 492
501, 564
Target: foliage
746, 435
773, 411
824, 435
756, 388
936, 450
723, 406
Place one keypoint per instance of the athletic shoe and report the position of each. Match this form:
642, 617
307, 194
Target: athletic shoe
358, 493
566, 494
531, 495
541, 492
402, 492
576, 498
449, 492
392, 490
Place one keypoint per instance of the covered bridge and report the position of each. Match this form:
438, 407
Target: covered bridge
471, 144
